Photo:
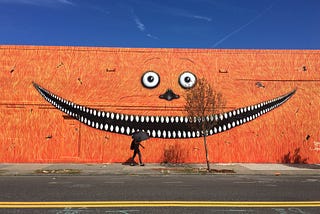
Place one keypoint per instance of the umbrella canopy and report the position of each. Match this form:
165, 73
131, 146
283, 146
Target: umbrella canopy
140, 136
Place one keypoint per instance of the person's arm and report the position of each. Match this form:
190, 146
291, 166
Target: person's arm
141, 145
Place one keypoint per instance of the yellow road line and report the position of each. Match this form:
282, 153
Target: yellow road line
97, 204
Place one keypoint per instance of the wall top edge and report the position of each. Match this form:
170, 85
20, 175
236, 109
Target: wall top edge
154, 50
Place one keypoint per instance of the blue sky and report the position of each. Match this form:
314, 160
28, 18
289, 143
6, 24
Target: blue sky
248, 24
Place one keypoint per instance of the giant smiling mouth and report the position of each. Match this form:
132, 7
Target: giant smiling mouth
160, 126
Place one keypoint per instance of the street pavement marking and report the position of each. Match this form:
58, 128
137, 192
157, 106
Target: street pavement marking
101, 204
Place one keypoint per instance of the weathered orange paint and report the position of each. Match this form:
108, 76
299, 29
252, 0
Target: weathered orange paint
109, 79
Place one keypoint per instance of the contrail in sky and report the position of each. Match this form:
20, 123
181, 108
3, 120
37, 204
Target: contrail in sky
243, 26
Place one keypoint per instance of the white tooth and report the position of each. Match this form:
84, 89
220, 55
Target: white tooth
99, 113
184, 134
241, 110
244, 120
142, 119
103, 114
211, 118
126, 117
159, 133
101, 126
117, 116
233, 124
221, 117
147, 119
169, 134
241, 121
172, 119
87, 110
225, 115
193, 134
122, 129
167, 119
210, 132
255, 106
133, 130
198, 134
152, 119
85, 120
174, 134
164, 133
117, 129
81, 118
157, 119
131, 118
181, 119
89, 122
215, 130
234, 113
238, 122
179, 134
229, 125
186, 120
111, 128
162, 119
220, 129
230, 114
94, 112
154, 134
112, 115
93, 124
216, 117
90, 111
128, 130
137, 118
189, 134
108, 115
224, 127
121, 116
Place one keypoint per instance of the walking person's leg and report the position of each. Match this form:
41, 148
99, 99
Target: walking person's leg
140, 158
134, 155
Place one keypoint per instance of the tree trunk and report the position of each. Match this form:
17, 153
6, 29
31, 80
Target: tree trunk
206, 149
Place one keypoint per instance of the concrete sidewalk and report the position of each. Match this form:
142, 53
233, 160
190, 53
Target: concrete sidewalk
156, 169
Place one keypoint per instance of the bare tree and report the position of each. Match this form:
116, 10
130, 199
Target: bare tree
203, 101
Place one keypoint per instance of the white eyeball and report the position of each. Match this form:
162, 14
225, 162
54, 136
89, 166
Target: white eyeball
187, 80
150, 79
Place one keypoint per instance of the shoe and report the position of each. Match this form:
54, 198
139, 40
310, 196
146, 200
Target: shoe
141, 164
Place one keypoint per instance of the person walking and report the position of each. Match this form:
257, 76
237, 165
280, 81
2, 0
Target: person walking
135, 144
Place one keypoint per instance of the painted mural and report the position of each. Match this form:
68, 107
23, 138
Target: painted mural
96, 98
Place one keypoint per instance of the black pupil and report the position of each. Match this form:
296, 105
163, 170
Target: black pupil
187, 79
150, 78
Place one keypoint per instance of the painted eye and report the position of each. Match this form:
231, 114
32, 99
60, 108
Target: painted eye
187, 80
150, 79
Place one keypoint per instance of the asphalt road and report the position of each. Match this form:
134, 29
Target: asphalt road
167, 188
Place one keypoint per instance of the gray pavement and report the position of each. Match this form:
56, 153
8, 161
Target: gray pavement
19, 169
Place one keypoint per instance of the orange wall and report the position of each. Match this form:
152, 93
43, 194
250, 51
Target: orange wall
32, 130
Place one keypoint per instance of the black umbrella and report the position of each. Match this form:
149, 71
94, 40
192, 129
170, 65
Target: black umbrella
140, 136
